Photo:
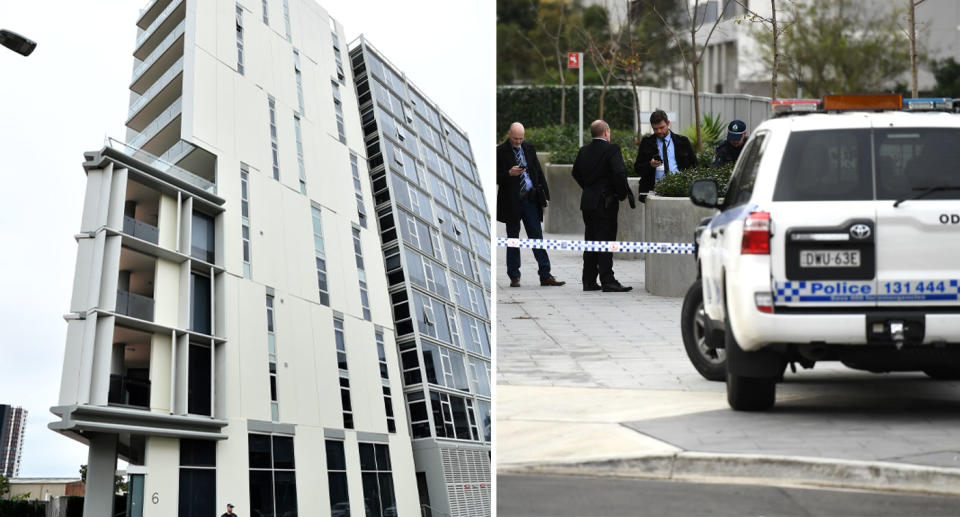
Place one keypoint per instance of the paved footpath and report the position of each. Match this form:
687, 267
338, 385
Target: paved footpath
598, 383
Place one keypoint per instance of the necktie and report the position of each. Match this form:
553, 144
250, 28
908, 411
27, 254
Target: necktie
663, 154
525, 182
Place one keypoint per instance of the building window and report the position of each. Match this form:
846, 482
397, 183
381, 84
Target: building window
198, 478
419, 418
202, 239
361, 274
286, 19
240, 40
296, 72
272, 361
385, 380
336, 51
266, 17
320, 257
338, 109
273, 486
272, 103
245, 217
200, 304
198, 380
377, 479
341, 345
337, 478
453, 417
303, 174
357, 190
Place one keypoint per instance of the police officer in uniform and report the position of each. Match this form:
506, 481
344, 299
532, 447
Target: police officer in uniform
729, 150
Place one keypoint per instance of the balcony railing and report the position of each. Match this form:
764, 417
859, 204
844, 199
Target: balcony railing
152, 92
158, 123
140, 230
135, 305
129, 391
143, 36
157, 52
163, 166
178, 151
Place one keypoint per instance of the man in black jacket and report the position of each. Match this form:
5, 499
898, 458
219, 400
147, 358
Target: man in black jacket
600, 172
663, 152
522, 194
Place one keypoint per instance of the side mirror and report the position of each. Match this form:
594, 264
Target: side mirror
704, 193
16, 42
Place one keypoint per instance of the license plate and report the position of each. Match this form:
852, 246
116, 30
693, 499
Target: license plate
829, 258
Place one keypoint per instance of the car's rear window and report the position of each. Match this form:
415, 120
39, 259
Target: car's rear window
828, 165
910, 161
836, 165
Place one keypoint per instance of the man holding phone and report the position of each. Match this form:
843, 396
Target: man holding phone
522, 194
664, 152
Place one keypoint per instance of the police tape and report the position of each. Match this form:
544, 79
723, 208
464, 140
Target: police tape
665, 248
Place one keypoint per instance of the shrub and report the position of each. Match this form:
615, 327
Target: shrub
11, 508
678, 184
711, 130
561, 142
539, 106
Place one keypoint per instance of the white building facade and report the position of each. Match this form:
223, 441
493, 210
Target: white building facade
231, 332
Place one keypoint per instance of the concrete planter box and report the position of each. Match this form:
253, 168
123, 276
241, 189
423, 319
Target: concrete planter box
671, 219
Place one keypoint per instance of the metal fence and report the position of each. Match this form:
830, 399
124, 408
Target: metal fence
679, 104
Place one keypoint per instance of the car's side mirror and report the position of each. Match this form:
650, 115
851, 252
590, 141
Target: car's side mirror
704, 193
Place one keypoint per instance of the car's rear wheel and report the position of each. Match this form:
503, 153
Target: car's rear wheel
751, 376
710, 362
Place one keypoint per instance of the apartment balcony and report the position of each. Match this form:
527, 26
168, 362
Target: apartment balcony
135, 305
151, 37
130, 368
204, 162
141, 209
145, 108
135, 284
150, 12
149, 70
162, 134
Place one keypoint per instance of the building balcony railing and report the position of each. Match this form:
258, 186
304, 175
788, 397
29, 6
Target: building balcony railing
158, 52
152, 29
141, 101
177, 152
158, 123
140, 230
163, 166
150, 12
135, 305
129, 391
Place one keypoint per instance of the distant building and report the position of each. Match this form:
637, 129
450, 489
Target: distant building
45, 489
13, 424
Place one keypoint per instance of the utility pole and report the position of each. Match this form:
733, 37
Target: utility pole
575, 60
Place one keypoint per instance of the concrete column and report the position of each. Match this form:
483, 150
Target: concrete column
101, 469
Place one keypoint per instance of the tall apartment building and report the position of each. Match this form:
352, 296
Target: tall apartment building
13, 426
231, 331
435, 233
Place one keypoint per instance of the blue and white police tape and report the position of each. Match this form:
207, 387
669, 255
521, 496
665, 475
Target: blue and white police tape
667, 248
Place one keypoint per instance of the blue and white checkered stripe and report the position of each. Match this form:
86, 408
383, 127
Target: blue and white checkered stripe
667, 248
864, 291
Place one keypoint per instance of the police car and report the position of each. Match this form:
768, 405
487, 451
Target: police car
838, 240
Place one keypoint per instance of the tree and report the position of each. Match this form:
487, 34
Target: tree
552, 24
603, 46
776, 27
4, 486
912, 35
692, 56
947, 74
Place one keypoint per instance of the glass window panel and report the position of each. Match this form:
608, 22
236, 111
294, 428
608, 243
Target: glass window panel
383, 456
387, 500
368, 457
336, 460
197, 492
339, 499
198, 453
283, 452
259, 446
483, 409
261, 493
460, 420
459, 372
285, 489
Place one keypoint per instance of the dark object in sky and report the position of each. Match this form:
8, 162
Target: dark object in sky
16, 42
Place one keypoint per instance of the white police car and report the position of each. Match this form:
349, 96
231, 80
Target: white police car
838, 240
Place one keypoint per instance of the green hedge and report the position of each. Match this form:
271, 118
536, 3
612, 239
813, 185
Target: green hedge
539, 106
562, 144
10, 508
678, 184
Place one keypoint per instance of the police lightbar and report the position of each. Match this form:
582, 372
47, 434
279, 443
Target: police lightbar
882, 101
795, 106
928, 103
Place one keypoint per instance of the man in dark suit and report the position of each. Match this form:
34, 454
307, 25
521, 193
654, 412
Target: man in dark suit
600, 172
522, 194
664, 152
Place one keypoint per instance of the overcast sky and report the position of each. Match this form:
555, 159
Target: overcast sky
68, 95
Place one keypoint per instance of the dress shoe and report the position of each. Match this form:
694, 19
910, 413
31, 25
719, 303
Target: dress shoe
514, 282
591, 287
551, 281
615, 287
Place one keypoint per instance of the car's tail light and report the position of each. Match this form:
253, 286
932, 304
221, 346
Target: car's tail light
764, 302
756, 234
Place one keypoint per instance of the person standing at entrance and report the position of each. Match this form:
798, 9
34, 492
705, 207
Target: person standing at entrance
600, 172
664, 152
522, 194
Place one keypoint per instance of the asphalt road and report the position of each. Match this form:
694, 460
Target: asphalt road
557, 496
